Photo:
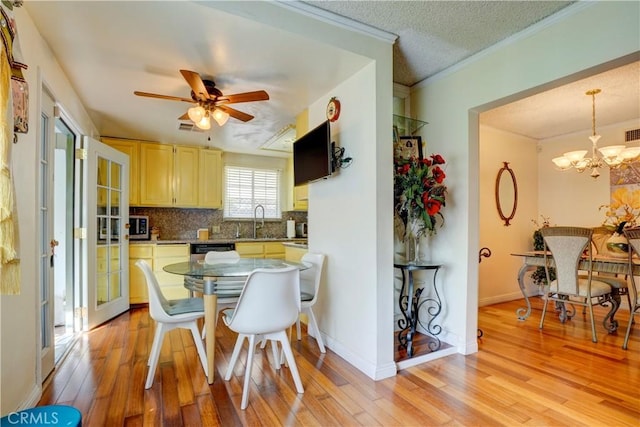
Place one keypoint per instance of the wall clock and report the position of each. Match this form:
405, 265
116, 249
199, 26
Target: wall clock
333, 109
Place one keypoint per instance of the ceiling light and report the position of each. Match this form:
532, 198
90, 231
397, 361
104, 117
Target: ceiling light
196, 113
205, 122
611, 156
220, 116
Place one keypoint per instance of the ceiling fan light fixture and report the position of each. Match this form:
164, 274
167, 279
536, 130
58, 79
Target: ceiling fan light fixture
205, 122
196, 114
220, 116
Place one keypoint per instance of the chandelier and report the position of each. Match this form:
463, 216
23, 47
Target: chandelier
611, 156
201, 115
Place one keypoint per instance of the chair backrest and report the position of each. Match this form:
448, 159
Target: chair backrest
269, 302
599, 238
633, 236
157, 301
567, 244
310, 278
213, 257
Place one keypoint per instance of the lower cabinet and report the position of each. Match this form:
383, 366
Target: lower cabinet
157, 256
294, 253
260, 249
137, 283
171, 285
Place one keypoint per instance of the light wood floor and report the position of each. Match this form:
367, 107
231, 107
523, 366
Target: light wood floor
520, 376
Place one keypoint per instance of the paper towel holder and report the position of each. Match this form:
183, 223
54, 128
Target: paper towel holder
291, 228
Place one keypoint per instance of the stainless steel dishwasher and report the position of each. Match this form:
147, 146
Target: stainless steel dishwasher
199, 250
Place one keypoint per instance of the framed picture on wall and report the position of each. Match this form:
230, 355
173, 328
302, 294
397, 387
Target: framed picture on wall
410, 146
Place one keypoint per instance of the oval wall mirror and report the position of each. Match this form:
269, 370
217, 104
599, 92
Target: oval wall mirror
506, 193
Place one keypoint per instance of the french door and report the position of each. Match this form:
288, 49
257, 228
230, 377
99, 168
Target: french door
106, 219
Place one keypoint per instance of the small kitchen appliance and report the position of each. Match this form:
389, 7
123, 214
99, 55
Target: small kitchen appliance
301, 229
139, 227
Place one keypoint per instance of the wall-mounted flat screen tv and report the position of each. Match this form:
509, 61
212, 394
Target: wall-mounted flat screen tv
312, 155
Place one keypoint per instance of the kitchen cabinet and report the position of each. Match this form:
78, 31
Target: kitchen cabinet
294, 253
169, 175
138, 293
260, 249
210, 190
301, 192
301, 197
132, 149
171, 285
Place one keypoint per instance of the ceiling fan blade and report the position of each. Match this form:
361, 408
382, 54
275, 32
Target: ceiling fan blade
235, 113
259, 95
185, 116
196, 83
170, 98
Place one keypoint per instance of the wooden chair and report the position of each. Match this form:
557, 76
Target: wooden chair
633, 236
566, 245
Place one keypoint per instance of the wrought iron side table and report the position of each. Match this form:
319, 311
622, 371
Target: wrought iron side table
410, 305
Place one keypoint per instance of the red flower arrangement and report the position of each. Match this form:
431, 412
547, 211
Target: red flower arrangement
420, 193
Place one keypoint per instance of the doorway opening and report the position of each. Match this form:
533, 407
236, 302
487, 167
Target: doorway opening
66, 294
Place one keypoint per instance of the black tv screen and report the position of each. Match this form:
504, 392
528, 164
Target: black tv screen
312, 157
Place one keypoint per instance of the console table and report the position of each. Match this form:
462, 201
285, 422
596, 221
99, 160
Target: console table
410, 305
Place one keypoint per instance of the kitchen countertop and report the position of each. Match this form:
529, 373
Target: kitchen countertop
296, 240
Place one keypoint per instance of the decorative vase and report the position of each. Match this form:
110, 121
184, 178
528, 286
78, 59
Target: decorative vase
412, 252
618, 246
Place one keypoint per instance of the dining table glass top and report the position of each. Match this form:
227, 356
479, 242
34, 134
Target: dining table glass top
229, 268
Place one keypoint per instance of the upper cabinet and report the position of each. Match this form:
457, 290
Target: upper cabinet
300, 193
132, 149
210, 194
168, 175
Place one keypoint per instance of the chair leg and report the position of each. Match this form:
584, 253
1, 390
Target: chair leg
298, 332
286, 347
198, 342
544, 310
155, 353
316, 330
626, 336
247, 374
234, 356
594, 337
277, 361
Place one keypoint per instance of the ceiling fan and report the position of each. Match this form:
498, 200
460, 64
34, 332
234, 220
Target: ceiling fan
210, 101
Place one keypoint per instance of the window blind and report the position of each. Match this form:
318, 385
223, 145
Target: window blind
245, 188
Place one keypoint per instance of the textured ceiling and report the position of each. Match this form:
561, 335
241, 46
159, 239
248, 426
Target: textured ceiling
434, 34
108, 49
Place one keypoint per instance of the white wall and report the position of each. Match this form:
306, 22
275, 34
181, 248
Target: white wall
19, 385
356, 302
583, 36
498, 273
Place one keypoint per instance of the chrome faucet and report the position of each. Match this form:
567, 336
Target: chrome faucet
255, 220
237, 230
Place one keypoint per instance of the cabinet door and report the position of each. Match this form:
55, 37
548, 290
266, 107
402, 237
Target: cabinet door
210, 179
250, 249
138, 293
186, 177
274, 250
156, 174
132, 149
301, 197
171, 285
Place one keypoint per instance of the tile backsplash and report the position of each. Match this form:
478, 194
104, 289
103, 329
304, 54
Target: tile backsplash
182, 224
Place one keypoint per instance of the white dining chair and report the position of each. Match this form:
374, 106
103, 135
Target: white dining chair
267, 308
310, 280
169, 315
566, 245
227, 289
633, 236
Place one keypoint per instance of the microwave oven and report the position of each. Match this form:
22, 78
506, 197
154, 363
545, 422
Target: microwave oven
139, 227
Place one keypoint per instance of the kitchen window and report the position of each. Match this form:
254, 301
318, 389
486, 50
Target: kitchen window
245, 188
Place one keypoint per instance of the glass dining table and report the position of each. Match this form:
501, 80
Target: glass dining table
207, 286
